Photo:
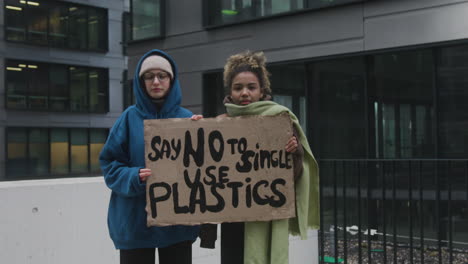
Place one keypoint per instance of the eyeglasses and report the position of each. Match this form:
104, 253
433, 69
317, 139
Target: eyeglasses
162, 76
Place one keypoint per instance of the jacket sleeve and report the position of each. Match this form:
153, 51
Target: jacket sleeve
119, 176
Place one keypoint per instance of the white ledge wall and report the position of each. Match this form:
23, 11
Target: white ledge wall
64, 221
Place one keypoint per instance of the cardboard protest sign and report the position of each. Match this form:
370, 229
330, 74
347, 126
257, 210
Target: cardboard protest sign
230, 169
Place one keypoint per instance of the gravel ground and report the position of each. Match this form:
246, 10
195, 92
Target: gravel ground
431, 254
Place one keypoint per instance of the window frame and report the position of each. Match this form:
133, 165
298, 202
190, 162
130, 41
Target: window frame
67, 5
103, 79
162, 24
49, 174
206, 13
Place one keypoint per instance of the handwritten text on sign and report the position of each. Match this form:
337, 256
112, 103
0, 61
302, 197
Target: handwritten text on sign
219, 170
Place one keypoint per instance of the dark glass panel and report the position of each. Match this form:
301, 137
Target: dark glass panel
128, 97
38, 151
79, 150
78, 27
16, 85
146, 19
234, 11
38, 85
78, 89
402, 104
15, 22
327, 3
288, 87
58, 77
97, 33
98, 91
97, 140
37, 22
58, 25
59, 151
338, 117
17, 153
453, 102
213, 94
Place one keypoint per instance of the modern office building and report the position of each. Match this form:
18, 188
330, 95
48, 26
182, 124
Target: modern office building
62, 64
379, 86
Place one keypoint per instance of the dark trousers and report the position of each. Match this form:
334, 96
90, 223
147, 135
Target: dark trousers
232, 243
180, 253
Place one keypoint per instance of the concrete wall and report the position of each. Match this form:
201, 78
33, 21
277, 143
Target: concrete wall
64, 221
356, 28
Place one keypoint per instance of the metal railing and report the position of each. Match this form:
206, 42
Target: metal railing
394, 211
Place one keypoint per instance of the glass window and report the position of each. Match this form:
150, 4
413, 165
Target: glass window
38, 85
56, 87
402, 99
453, 98
39, 151
338, 94
15, 23
234, 11
79, 150
78, 93
78, 29
288, 87
16, 85
58, 77
98, 91
128, 97
97, 20
146, 18
17, 152
59, 151
97, 139
213, 94
58, 25
37, 13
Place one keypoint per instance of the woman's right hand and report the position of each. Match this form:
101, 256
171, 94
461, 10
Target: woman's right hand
144, 174
196, 117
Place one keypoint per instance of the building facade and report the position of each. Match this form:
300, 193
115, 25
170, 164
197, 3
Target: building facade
377, 84
62, 64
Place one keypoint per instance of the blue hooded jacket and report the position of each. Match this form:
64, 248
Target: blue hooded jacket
121, 159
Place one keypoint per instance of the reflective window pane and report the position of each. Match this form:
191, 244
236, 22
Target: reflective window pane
59, 92
339, 122
97, 91
78, 89
453, 98
37, 22
146, 19
17, 159
38, 151
403, 103
78, 29
96, 143
97, 37
79, 150
58, 25
38, 85
16, 85
15, 22
213, 94
59, 152
234, 11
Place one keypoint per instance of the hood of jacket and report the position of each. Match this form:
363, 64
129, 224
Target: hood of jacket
143, 102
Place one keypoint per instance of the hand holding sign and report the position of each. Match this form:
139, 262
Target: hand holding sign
219, 170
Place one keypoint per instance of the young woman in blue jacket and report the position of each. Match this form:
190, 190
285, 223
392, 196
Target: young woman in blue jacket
158, 96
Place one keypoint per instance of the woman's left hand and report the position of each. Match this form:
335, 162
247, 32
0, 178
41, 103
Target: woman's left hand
292, 145
196, 117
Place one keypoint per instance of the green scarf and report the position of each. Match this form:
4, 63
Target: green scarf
268, 242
